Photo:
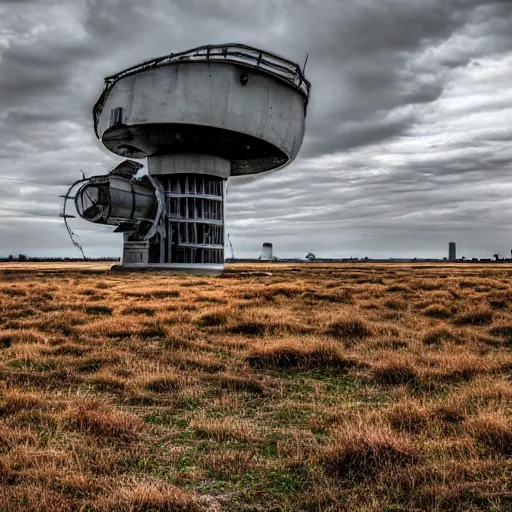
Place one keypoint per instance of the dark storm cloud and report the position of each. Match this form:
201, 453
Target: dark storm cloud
350, 135
364, 59
407, 141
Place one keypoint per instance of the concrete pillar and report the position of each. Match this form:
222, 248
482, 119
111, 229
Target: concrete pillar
193, 219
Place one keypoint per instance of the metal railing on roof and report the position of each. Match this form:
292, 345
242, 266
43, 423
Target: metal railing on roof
282, 69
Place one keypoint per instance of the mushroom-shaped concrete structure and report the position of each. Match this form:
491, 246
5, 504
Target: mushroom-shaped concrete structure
199, 117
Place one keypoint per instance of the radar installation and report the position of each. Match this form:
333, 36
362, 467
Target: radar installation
198, 117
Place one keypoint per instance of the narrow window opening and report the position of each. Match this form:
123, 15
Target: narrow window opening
116, 116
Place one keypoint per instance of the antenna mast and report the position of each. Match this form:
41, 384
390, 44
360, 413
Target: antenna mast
305, 62
231, 248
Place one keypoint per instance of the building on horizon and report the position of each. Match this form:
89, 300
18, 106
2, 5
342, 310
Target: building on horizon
452, 251
266, 252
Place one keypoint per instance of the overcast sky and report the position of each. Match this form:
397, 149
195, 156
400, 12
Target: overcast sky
408, 132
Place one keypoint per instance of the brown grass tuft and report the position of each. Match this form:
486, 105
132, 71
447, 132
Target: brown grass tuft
95, 418
342, 296
6, 340
8, 337
214, 319
494, 431
437, 311
396, 304
68, 349
395, 372
502, 330
267, 327
115, 327
479, 315
450, 368
291, 355
99, 309
13, 291
237, 383
139, 310
14, 402
350, 327
408, 417
105, 381
398, 288
224, 429
164, 384
228, 463
94, 363
449, 414
439, 334
148, 496
498, 304
362, 454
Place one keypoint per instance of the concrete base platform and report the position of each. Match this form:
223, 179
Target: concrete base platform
174, 268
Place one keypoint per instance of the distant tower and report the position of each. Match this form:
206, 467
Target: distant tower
266, 252
452, 251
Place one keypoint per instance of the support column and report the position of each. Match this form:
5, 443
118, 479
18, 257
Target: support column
194, 212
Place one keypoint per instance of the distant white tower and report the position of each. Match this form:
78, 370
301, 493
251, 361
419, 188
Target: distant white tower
266, 252
452, 251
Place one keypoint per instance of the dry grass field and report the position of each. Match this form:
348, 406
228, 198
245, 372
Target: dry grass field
315, 388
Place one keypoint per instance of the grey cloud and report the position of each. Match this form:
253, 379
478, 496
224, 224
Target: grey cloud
350, 136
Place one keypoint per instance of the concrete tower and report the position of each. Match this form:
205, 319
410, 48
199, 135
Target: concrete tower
266, 252
198, 117
452, 251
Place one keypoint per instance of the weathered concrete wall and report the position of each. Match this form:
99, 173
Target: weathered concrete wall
189, 164
211, 95
266, 252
